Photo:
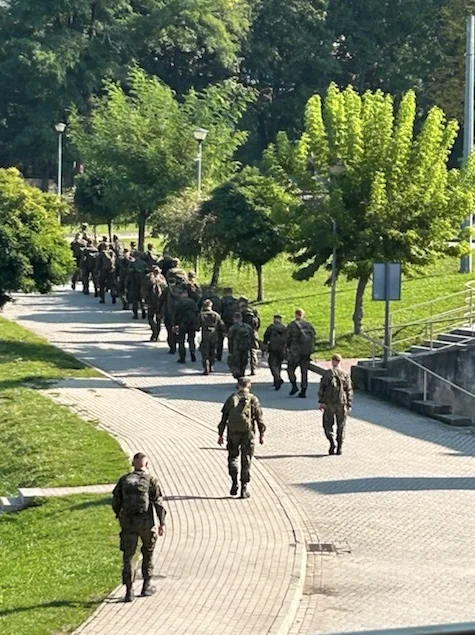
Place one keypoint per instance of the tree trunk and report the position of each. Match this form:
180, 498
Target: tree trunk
216, 272
109, 229
260, 283
142, 222
359, 302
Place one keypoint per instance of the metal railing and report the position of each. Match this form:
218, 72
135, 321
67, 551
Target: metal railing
426, 371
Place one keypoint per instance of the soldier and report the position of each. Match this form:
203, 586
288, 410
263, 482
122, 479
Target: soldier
106, 264
104, 243
335, 396
211, 326
152, 289
240, 414
85, 235
137, 504
241, 341
178, 273
209, 293
77, 247
194, 289
274, 343
123, 266
229, 306
136, 272
117, 246
166, 307
300, 339
166, 263
150, 257
251, 316
184, 320
88, 268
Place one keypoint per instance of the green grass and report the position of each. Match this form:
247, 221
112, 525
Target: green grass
42, 443
59, 561
283, 295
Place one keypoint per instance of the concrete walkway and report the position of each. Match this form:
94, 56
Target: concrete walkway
389, 523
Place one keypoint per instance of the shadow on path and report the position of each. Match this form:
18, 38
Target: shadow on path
391, 484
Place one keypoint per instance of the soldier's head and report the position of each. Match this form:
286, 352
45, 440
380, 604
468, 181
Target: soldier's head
207, 305
299, 314
156, 269
244, 385
133, 246
126, 251
277, 319
84, 227
115, 238
175, 262
90, 242
336, 360
237, 317
102, 246
243, 301
140, 461
192, 275
150, 247
228, 291
104, 239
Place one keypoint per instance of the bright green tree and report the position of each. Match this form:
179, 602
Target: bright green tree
361, 163
238, 221
35, 255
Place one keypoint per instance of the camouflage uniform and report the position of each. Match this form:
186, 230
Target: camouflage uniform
89, 269
77, 247
211, 326
241, 341
274, 342
251, 316
122, 268
336, 393
210, 294
184, 321
152, 289
106, 264
243, 442
299, 351
136, 272
137, 526
166, 308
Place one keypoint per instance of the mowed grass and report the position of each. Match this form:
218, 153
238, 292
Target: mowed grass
283, 295
58, 561
42, 443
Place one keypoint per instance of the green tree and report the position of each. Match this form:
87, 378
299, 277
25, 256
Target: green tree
34, 254
396, 200
239, 223
90, 201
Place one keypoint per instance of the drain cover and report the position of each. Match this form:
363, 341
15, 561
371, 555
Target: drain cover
321, 547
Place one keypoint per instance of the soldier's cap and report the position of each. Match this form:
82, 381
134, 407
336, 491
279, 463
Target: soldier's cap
133, 245
84, 225
208, 302
175, 262
238, 315
104, 239
150, 246
115, 238
279, 317
228, 290
140, 456
336, 357
155, 268
243, 299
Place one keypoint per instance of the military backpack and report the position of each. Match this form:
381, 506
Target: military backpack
240, 415
335, 392
135, 493
244, 338
208, 320
276, 339
306, 338
249, 317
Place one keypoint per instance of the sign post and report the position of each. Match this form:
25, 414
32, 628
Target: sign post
387, 278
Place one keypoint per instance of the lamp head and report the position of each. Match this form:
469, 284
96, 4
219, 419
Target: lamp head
200, 134
60, 127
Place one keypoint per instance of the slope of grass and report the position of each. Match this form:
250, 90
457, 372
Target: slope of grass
42, 443
59, 561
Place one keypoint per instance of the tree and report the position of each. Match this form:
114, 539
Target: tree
238, 221
34, 254
90, 201
142, 144
396, 200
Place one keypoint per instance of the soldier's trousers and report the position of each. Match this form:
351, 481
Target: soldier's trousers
76, 277
334, 414
294, 363
186, 334
171, 336
208, 353
107, 282
253, 359
154, 321
129, 537
220, 346
275, 361
240, 444
237, 363
86, 277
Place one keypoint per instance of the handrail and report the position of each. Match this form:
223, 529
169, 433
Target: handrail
415, 323
434, 301
424, 368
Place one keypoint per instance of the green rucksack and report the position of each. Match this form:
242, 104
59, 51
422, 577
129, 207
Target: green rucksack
306, 338
334, 393
245, 338
277, 339
135, 493
240, 415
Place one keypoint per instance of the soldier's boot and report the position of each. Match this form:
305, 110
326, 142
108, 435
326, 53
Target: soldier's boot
206, 368
103, 298
129, 593
294, 389
279, 384
144, 314
73, 285
181, 360
114, 299
234, 488
135, 315
303, 393
332, 448
339, 450
148, 589
193, 357
96, 293
245, 493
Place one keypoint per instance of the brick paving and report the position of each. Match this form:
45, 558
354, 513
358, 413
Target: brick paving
395, 511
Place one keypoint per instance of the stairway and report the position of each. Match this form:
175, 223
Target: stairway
378, 380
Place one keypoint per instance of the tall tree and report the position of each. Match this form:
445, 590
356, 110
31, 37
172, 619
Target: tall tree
394, 199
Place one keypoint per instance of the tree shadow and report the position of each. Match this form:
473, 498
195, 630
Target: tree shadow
391, 484
291, 456
192, 498
48, 605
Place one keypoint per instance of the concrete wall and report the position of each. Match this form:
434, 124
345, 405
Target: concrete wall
455, 364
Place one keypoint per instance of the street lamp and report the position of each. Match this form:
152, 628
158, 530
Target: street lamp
335, 171
200, 135
60, 128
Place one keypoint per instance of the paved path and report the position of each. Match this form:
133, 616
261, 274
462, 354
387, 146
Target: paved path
394, 513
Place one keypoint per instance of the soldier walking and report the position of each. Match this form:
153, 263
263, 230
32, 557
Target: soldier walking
152, 289
88, 268
184, 325
229, 306
106, 264
335, 396
211, 326
274, 344
137, 503
136, 272
300, 344
240, 414
241, 341
251, 316
77, 247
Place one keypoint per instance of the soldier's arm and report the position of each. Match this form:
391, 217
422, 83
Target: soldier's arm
231, 340
267, 335
117, 498
224, 416
156, 498
349, 391
257, 415
323, 387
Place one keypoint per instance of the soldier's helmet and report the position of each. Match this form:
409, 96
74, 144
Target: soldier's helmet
243, 300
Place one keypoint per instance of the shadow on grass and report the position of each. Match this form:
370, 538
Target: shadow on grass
50, 605
16, 350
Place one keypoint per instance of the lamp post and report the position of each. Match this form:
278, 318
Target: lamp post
60, 128
200, 136
335, 170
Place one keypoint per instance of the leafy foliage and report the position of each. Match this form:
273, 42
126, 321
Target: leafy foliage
396, 200
34, 254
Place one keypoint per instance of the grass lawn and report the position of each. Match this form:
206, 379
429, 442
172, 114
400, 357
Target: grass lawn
283, 295
59, 560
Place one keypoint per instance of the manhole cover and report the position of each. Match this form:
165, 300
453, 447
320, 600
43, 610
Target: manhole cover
321, 547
